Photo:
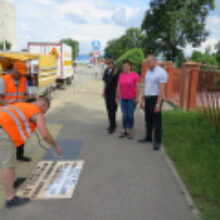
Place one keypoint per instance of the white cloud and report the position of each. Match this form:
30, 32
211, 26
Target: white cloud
51, 20
212, 24
126, 16
87, 20
210, 42
43, 2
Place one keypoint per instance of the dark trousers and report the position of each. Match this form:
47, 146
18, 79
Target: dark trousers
111, 109
20, 151
152, 119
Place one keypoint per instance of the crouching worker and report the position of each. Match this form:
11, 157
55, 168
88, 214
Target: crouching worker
17, 122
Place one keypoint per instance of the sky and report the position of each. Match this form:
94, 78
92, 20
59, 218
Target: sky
88, 20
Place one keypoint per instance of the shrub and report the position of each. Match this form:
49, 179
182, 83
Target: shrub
136, 56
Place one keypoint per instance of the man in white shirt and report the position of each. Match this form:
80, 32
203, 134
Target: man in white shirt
155, 81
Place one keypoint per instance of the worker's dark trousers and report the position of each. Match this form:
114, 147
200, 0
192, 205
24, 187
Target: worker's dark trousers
111, 109
152, 119
20, 151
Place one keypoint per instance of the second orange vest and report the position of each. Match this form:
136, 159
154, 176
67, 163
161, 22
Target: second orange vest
13, 94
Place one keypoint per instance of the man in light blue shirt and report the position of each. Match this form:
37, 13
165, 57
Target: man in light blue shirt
155, 82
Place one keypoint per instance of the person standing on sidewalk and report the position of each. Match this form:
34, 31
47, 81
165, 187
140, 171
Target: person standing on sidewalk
13, 89
110, 79
17, 122
128, 92
155, 81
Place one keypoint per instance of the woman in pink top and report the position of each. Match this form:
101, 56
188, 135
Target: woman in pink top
128, 91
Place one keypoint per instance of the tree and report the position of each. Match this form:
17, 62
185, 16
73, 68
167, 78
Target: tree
217, 47
136, 56
208, 50
196, 56
170, 25
74, 44
114, 48
208, 60
133, 38
7, 44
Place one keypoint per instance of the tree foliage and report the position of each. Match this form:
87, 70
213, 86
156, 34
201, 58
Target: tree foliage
133, 38
74, 44
136, 56
170, 25
217, 47
209, 60
8, 45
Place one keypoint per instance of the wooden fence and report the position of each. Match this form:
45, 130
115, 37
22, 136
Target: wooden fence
191, 88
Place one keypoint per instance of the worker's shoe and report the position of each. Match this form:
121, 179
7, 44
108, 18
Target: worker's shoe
16, 201
24, 159
19, 181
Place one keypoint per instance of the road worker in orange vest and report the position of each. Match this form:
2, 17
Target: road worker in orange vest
13, 89
17, 122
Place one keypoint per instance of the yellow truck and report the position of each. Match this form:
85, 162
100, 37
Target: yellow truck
42, 71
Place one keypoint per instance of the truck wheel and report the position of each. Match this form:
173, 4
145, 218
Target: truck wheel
68, 81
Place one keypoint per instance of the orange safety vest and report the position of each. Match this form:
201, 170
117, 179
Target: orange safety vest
16, 121
13, 94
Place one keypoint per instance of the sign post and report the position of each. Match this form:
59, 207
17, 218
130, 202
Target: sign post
96, 46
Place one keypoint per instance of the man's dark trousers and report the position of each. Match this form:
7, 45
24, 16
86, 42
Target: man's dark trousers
111, 108
152, 119
20, 151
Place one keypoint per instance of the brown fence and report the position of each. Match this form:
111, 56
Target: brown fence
176, 87
191, 88
208, 95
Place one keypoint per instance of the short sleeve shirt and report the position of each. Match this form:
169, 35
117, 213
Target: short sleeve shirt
2, 86
127, 85
153, 78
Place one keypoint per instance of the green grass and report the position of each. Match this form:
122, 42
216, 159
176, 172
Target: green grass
193, 144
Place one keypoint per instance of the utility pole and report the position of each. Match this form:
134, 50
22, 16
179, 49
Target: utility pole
4, 45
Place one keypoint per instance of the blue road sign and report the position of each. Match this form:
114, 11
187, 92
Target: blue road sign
96, 45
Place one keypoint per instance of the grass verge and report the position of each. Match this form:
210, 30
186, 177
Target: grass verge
193, 145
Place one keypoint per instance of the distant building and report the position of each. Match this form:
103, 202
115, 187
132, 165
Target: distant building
8, 29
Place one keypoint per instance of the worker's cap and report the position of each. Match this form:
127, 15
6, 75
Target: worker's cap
21, 67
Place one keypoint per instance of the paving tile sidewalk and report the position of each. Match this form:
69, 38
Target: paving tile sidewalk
121, 179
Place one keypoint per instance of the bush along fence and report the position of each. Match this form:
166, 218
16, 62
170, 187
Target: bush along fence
136, 56
191, 88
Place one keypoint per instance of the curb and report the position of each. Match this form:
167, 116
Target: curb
182, 186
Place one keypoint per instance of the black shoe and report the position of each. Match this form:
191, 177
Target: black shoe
24, 159
16, 201
156, 146
144, 140
111, 130
108, 128
19, 182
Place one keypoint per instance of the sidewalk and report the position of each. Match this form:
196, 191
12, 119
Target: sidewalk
121, 179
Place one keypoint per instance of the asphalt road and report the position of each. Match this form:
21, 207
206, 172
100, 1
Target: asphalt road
121, 179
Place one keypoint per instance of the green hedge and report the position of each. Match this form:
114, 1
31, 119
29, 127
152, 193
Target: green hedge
136, 56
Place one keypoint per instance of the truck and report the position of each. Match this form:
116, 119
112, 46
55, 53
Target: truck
42, 71
63, 54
